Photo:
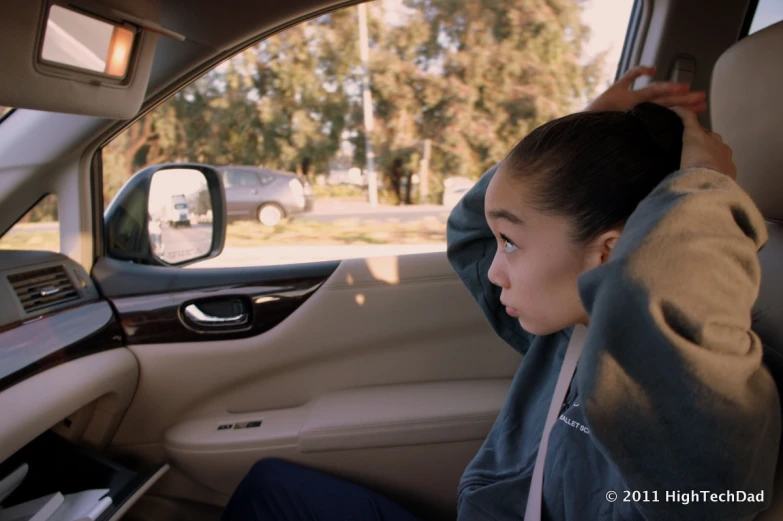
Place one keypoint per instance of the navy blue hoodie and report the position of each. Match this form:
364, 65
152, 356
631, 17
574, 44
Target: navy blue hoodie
670, 403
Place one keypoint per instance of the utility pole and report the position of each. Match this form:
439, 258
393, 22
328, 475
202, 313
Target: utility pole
424, 173
372, 181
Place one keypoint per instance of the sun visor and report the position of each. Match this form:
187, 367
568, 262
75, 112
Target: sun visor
78, 57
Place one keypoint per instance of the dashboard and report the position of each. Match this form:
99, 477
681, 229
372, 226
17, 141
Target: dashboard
63, 364
50, 313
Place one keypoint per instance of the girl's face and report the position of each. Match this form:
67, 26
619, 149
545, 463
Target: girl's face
537, 263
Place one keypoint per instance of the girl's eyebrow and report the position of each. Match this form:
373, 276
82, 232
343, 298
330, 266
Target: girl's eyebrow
505, 214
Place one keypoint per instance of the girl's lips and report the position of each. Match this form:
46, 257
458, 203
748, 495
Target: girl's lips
511, 311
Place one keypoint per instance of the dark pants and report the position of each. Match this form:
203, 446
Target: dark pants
275, 490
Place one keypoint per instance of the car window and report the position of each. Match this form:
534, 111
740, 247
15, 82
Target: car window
447, 102
241, 178
266, 178
4, 111
768, 12
39, 229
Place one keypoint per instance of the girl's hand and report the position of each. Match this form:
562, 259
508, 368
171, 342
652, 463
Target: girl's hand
703, 148
667, 93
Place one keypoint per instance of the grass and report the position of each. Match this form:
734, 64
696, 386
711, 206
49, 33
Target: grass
303, 232
22, 240
297, 232
346, 192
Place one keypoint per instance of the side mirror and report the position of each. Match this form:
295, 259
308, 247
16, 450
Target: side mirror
168, 215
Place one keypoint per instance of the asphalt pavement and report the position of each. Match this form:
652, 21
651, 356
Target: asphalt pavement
186, 242
325, 211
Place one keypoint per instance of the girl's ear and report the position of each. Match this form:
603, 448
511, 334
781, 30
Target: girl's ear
601, 247
608, 245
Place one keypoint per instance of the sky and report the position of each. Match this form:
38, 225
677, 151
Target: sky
767, 13
166, 183
608, 23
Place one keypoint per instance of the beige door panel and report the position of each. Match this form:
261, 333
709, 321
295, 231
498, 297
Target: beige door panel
374, 322
409, 414
395, 416
426, 474
98, 388
383, 416
405, 323
336, 431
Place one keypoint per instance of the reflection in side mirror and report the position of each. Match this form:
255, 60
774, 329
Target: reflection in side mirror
179, 220
77, 40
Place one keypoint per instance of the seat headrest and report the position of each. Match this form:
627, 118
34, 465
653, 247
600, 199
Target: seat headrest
746, 102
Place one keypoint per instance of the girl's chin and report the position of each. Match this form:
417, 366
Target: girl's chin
536, 328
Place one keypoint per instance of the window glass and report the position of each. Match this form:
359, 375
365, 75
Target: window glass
4, 111
241, 178
266, 178
768, 12
453, 86
39, 229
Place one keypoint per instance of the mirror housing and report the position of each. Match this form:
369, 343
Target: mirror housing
126, 230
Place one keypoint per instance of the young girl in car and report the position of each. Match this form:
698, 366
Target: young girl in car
626, 220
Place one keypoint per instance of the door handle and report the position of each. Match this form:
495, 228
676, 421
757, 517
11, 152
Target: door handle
199, 318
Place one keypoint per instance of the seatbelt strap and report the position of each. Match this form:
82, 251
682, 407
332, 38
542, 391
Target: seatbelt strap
535, 497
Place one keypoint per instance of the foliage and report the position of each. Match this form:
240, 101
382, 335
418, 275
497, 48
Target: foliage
473, 76
342, 191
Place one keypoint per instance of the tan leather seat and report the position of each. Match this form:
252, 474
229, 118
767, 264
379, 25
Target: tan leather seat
747, 111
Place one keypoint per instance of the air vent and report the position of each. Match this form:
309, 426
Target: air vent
44, 288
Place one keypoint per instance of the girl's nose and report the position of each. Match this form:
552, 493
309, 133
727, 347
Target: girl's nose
497, 273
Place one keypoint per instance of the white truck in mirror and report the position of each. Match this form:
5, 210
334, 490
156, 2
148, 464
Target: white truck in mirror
179, 213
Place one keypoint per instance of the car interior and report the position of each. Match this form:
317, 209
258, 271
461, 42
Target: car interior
380, 370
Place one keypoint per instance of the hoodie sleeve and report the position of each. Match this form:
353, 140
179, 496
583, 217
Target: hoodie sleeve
671, 376
471, 248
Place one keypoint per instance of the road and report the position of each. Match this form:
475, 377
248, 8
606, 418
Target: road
185, 242
189, 243
325, 211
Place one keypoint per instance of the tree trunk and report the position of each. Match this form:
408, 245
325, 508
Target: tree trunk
424, 173
396, 179
408, 188
139, 133
306, 163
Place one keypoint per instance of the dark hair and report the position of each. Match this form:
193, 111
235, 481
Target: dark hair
596, 167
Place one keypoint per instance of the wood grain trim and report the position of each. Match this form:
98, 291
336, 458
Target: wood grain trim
34, 346
158, 318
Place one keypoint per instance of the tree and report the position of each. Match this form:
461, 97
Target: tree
46, 210
200, 202
474, 77
303, 77
155, 138
518, 64
471, 76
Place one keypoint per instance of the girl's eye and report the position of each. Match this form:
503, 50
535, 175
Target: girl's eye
508, 246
